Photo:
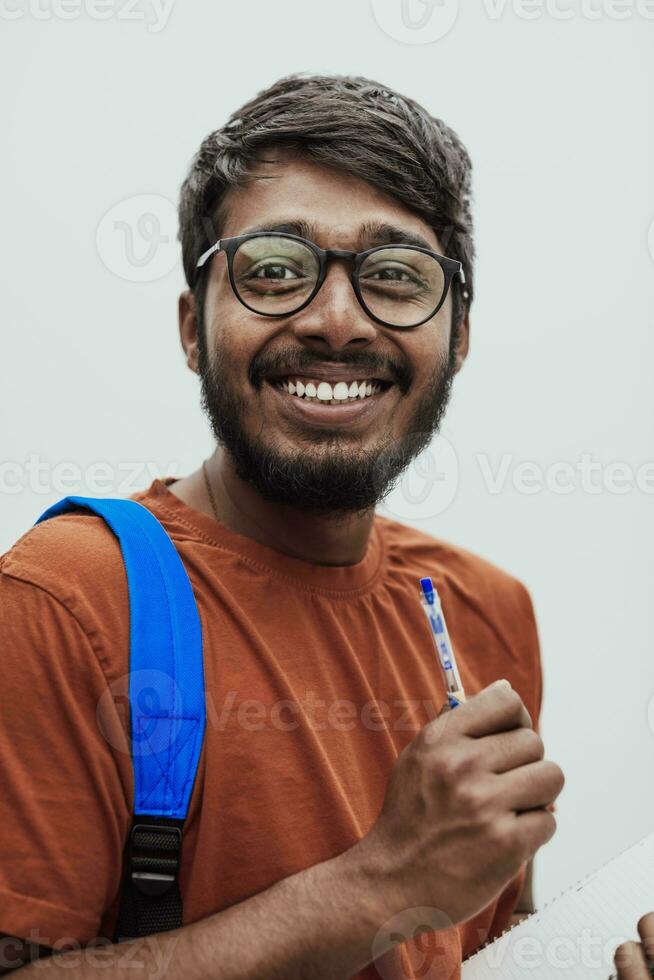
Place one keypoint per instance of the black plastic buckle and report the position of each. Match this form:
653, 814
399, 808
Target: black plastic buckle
153, 866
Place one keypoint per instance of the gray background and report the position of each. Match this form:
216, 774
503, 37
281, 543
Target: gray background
100, 122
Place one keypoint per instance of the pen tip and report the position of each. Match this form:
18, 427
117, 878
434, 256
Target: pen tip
426, 585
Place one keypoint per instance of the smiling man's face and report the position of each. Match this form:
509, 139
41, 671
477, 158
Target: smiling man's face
321, 457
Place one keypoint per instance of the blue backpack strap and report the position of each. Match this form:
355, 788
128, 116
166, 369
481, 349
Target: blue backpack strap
167, 708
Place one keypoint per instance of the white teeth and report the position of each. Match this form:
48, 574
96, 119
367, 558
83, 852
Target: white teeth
338, 393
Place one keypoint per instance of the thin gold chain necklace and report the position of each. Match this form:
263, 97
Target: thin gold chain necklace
209, 490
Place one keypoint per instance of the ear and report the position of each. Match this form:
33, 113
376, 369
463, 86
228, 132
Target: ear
463, 342
188, 328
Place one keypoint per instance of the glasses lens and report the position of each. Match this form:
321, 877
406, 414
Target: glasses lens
401, 286
274, 274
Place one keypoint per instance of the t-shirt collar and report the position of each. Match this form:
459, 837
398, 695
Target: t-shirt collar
343, 579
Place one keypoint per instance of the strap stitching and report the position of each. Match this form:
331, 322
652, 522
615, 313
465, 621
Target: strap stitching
193, 732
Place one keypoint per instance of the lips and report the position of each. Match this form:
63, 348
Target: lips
332, 373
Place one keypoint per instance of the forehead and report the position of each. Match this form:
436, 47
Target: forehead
324, 204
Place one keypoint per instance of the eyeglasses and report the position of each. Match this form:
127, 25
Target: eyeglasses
277, 274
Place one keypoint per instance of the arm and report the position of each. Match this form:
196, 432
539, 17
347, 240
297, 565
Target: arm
448, 849
318, 924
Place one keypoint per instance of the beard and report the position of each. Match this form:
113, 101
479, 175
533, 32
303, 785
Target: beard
327, 475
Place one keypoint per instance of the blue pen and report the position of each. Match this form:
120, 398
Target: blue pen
431, 603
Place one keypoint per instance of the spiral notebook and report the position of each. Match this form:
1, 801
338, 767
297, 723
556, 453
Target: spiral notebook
575, 935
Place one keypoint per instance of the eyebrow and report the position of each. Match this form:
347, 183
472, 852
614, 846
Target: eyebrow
371, 233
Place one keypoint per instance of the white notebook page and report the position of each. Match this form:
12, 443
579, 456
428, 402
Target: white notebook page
575, 935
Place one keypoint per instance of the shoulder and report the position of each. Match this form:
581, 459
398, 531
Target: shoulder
475, 579
65, 579
70, 554
66, 555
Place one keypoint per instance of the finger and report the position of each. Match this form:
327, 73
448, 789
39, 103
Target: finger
630, 962
535, 785
646, 933
435, 729
508, 750
534, 828
497, 708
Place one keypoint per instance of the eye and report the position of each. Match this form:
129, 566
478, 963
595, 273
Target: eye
273, 270
389, 274
395, 275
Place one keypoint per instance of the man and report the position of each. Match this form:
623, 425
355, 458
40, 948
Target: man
337, 810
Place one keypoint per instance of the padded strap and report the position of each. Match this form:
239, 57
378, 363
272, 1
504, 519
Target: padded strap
166, 684
167, 710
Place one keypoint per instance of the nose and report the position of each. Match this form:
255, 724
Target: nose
334, 319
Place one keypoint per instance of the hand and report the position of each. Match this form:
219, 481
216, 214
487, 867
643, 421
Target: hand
631, 958
465, 807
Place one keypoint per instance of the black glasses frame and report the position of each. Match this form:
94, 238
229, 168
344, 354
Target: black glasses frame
450, 267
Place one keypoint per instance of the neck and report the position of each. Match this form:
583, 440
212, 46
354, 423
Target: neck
320, 539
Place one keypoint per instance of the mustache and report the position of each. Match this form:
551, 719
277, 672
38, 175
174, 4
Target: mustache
299, 360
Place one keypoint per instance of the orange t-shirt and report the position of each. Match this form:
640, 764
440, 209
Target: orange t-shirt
316, 677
